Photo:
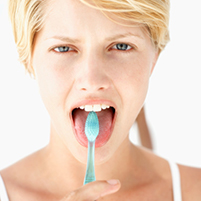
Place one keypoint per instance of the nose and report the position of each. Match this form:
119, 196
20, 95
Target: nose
92, 75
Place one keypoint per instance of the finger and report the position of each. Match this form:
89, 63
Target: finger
94, 190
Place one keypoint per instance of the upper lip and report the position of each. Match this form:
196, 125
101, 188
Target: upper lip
93, 102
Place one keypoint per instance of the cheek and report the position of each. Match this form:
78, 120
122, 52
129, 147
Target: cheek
132, 80
135, 64
132, 74
139, 78
54, 81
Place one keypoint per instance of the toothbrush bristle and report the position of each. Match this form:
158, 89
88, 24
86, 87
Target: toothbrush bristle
92, 126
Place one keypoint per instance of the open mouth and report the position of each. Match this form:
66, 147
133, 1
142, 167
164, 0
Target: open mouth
106, 116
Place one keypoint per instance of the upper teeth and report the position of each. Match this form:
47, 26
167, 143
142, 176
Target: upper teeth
95, 108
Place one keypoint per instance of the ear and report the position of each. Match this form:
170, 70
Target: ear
155, 59
30, 69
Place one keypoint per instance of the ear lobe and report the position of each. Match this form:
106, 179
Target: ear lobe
155, 59
30, 69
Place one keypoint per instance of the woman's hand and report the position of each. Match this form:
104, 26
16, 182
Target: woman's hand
93, 191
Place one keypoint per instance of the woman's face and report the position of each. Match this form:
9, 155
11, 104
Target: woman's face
81, 58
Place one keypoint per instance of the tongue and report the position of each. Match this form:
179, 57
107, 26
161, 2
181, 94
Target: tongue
105, 122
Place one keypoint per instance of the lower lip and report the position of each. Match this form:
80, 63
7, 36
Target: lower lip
101, 139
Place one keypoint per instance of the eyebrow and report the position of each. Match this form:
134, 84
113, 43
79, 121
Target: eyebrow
115, 37
118, 36
65, 39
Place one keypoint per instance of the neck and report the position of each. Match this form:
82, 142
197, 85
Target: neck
118, 166
61, 167
66, 171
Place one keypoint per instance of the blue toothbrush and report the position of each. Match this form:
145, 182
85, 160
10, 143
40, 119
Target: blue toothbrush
91, 131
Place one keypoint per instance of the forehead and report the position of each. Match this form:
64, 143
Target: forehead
74, 19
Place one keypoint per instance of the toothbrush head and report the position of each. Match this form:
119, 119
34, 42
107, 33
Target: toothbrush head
92, 126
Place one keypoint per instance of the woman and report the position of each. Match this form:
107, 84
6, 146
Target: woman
84, 59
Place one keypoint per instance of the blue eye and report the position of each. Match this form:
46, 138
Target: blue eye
62, 49
122, 46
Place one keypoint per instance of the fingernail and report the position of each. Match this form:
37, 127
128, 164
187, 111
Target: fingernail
113, 182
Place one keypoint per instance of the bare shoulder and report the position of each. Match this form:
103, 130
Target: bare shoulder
19, 178
190, 183
190, 176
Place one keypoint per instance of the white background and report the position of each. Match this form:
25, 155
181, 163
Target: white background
173, 104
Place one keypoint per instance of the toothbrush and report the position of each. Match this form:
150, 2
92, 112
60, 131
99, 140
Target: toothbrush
91, 131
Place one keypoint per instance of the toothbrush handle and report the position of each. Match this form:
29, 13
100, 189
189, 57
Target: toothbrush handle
90, 172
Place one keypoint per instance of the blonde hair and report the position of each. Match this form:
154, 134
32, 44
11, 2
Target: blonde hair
28, 16
153, 14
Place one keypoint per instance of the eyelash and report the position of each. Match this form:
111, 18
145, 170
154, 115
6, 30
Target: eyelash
130, 47
62, 47
69, 48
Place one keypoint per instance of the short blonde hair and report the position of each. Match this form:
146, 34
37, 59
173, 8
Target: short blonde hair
153, 14
28, 16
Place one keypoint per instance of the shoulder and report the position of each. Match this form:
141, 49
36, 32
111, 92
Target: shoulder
190, 182
20, 177
13, 180
190, 176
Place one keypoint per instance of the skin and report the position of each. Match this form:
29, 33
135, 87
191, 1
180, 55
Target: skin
93, 69
144, 133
